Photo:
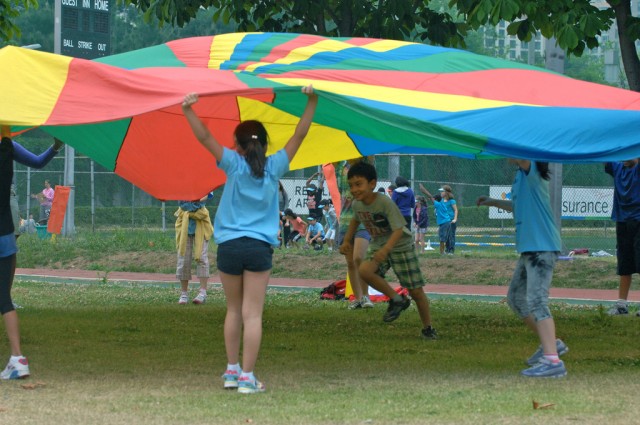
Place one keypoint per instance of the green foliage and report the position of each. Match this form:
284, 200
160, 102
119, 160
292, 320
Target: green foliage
10, 10
575, 24
394, 19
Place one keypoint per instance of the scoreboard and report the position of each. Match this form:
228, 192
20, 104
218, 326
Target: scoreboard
85, 28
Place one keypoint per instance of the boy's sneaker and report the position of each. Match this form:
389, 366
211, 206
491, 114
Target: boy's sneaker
561, 347
184, 299
395, 308
618, 310
200, 298
16, 369
230, 378
247, 386
355, 304
365, 302
429, 333
546, 369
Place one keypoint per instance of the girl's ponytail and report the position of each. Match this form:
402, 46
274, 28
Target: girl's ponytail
252, 137
543, 169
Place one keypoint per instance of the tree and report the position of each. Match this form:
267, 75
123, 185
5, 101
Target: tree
395, 19
576, 24
9, 11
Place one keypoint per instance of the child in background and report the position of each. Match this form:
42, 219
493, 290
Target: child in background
452, 208
315, 233
420, 222
391, 247
193, 232
442, 218
246, 230
297, 225
314, 195
332, 220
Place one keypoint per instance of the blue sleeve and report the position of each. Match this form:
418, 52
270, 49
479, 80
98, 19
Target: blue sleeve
24, 157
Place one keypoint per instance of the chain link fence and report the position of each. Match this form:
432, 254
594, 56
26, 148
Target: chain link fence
104, 200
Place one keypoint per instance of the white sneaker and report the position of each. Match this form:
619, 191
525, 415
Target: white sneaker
200, 298
16, 369
184, 299
365, 302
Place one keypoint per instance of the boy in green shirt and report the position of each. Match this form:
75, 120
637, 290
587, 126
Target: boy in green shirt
391, 246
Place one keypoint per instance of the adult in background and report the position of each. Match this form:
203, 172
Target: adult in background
404, 198
45, 198
626, 214
538, 243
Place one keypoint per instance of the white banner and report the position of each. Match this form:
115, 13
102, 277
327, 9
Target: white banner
577, 202
298, 198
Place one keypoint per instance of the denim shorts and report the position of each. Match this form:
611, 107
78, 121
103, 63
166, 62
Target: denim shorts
237, 255
362, 234
529, 288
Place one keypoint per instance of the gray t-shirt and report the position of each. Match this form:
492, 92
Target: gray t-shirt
380, 219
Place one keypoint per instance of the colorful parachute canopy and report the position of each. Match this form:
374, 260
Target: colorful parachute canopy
376, 96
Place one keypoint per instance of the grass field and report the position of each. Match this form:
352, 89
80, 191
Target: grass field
122, 354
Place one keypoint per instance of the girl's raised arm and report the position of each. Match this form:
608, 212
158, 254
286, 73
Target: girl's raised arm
201, 132
303, 125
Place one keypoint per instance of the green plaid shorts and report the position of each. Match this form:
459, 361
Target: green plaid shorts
406, 267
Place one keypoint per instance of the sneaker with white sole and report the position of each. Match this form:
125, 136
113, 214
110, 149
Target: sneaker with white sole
247, 386
365, 302
200, 298
395, 308
546, 369
561, 348
184, 299
16, 369
354, 305
230, 378
429, 333
618, 310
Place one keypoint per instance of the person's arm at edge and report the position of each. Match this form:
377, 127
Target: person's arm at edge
425, 191
485, 201
25, 157
201, 132
304, 124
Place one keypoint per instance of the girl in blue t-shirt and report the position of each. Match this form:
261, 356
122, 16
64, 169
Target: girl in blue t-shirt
538, 243
452, 209
246, 229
